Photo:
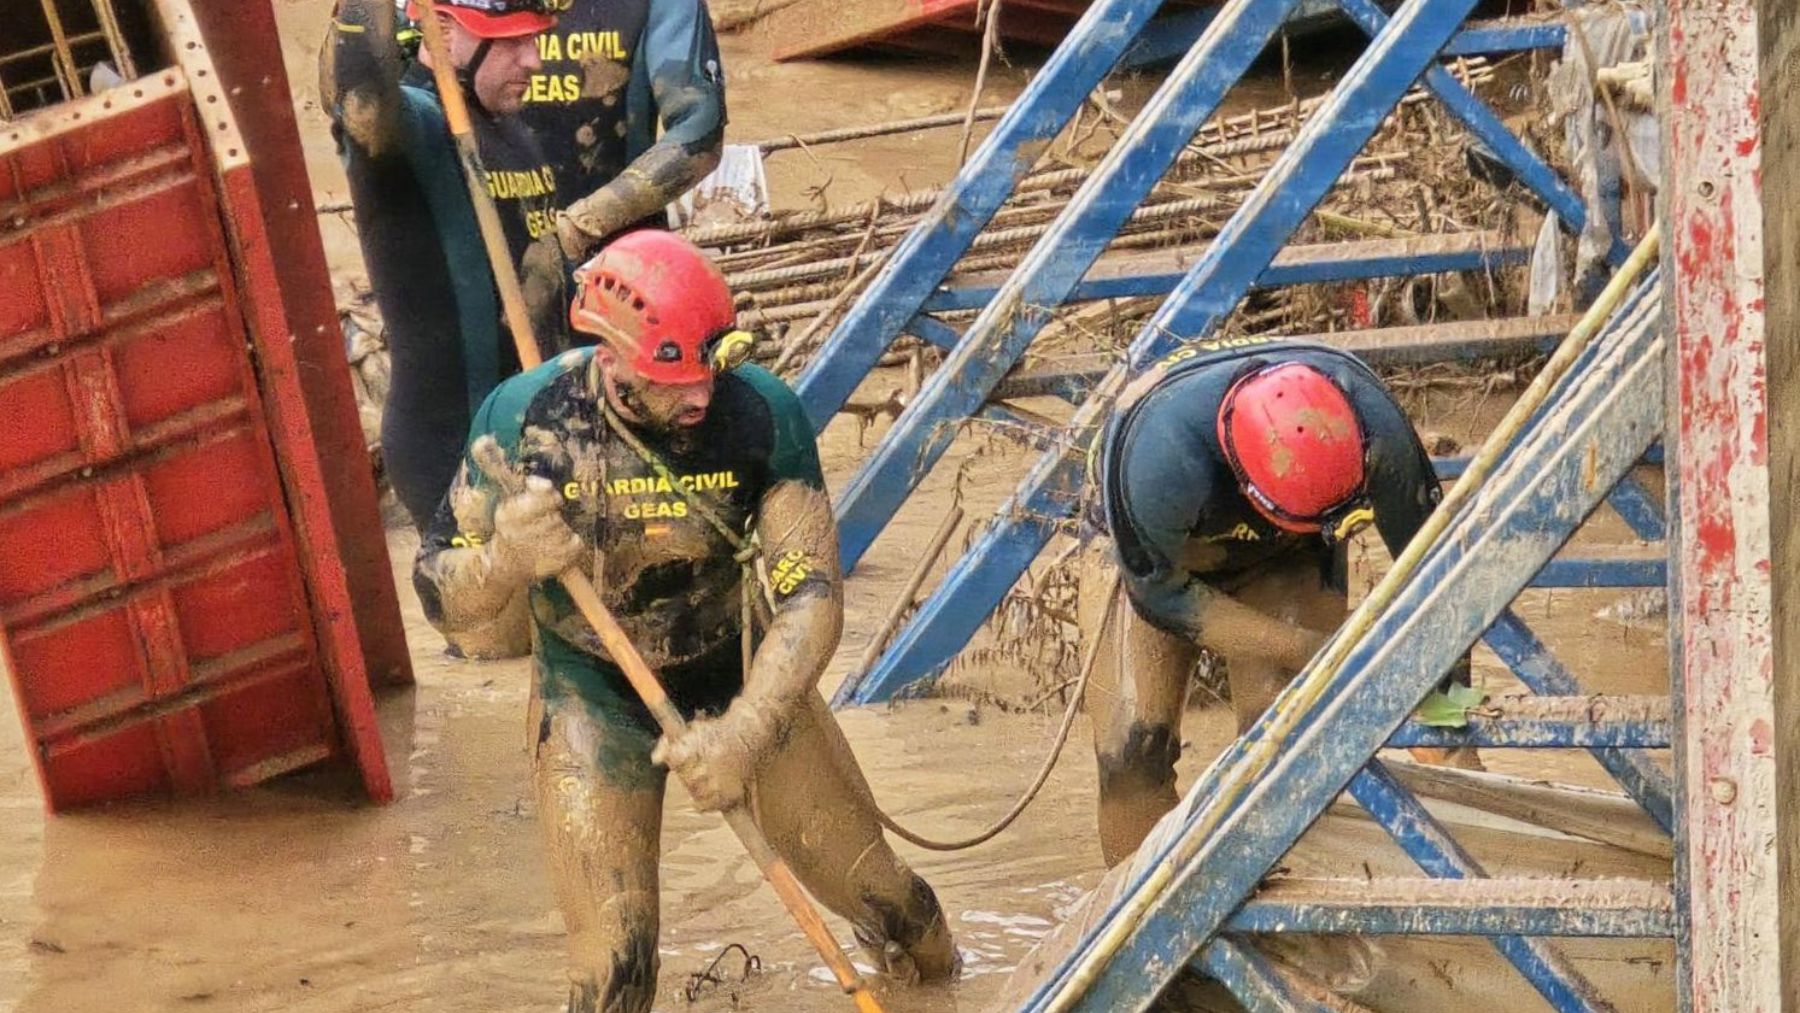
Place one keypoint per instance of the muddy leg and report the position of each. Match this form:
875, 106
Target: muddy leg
600, 807
1134, 700
814, 806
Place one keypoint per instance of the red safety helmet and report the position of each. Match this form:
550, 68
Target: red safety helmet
1292, 438
493, 19
657, 299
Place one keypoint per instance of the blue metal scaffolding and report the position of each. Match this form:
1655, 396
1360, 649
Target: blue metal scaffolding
1066, 265
1196, 887
1198, 890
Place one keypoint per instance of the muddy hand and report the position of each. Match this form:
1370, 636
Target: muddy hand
717, 758
531, 540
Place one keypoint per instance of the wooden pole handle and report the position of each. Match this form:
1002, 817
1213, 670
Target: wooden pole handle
493, 236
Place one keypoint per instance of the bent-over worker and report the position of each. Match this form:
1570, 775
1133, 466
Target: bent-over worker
1230, 477
670, 481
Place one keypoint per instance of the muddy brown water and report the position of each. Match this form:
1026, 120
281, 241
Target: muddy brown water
295, 896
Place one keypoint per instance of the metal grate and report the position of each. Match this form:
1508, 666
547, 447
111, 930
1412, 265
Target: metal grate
61, 44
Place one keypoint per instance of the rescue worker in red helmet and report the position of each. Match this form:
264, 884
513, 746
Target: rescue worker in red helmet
687, 485
1230, 476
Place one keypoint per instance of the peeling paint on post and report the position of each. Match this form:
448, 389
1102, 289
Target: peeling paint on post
1722, 643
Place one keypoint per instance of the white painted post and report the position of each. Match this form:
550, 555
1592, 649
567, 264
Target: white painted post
1731, 853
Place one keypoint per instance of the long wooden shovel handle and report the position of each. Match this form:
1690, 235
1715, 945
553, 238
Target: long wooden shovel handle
580, 589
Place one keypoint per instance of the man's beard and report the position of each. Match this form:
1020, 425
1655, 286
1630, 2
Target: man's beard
678, 438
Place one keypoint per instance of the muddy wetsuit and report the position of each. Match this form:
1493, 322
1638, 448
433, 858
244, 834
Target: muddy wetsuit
422, 247
670, 578
1193, 553
613, 70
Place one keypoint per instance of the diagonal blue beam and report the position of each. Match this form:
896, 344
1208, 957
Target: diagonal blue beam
1433, 849
1258, 984
975, 584
1235, 825
1642, 510
1053, 267
930, 250
1230, 267
1538, 669
1532, 170
1301, 177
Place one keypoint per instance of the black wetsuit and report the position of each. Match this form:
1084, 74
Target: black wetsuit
1173, 506
612, 70
427, 264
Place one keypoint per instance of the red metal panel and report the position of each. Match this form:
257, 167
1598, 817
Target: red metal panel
243, 45
1730, 941
159, 578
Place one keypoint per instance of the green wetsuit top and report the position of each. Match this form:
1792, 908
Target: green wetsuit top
664, 571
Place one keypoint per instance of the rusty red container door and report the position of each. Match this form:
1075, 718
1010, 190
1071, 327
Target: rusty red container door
153, 601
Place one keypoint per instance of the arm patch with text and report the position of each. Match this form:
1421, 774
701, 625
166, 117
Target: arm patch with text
790, 573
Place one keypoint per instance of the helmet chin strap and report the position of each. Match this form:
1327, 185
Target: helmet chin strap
466, 76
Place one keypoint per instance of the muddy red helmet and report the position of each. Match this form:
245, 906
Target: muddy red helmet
494, 19
658, 300
1294, 442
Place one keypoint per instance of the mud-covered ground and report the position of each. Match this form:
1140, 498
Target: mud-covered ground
295, 896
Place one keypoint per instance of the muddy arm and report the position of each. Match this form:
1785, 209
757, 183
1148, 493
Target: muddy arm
454, 571
689, 93
359, 75
799, 541
1213, 619
1162, 496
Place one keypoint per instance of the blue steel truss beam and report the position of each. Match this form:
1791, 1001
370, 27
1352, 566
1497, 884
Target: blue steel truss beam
1597, 573
1056, 263
1604, 908
929, 251
1432, 848
1520, 649
1480, 121
1239, 255
1641, 509
1234, 826
1305, 171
